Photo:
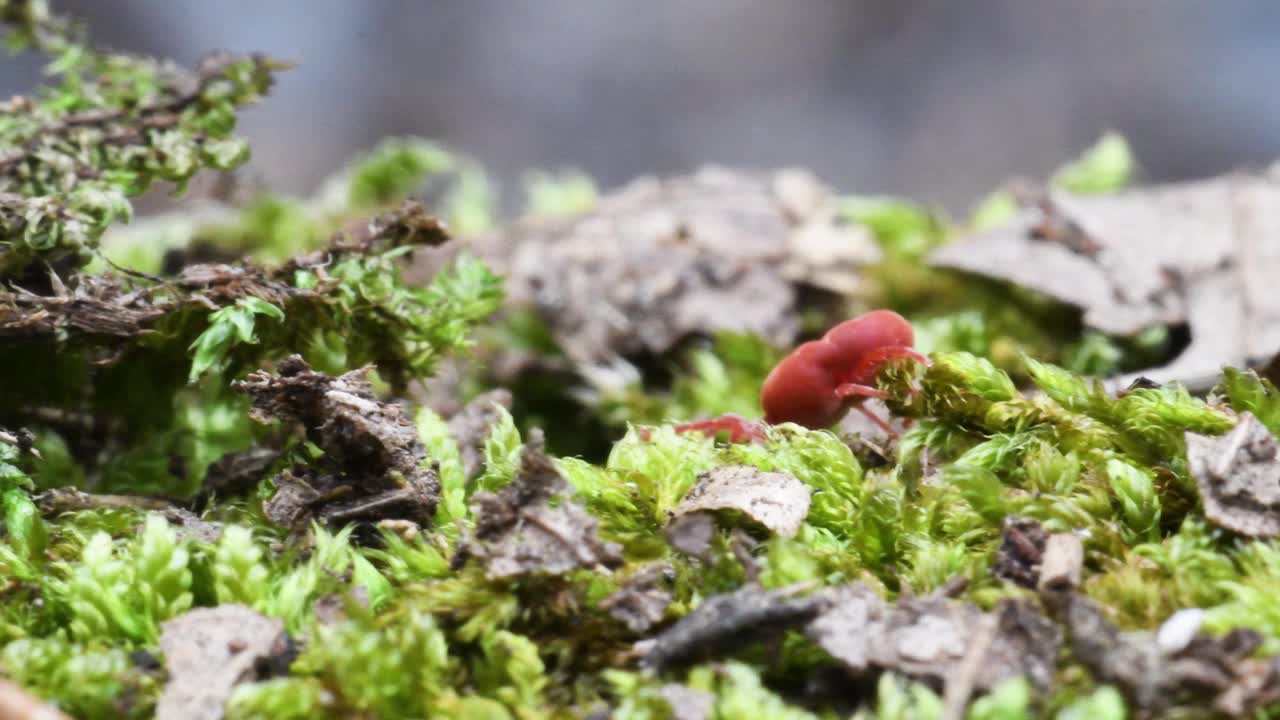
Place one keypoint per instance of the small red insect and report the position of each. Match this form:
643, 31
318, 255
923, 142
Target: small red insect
822, 380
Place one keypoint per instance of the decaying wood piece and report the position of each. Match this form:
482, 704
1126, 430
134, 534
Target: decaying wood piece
1198, 253
1061, 565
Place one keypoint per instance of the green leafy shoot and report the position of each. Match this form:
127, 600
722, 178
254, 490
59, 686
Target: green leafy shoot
228, 327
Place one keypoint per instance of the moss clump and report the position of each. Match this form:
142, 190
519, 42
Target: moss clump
391, 618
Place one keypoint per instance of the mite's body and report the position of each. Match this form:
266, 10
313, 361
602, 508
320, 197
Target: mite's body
822, 380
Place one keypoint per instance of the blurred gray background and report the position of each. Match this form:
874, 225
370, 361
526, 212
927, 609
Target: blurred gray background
936, 99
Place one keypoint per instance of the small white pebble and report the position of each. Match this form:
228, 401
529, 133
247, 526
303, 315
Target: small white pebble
1176, 632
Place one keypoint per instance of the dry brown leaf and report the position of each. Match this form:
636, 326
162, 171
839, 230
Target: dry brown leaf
776, 500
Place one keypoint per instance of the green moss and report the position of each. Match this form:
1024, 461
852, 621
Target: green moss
423, 630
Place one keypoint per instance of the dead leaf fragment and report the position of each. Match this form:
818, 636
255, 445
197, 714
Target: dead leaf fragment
532, 525
373, 465
208, 651
1238, 475
930, 637
776, 500
723, 622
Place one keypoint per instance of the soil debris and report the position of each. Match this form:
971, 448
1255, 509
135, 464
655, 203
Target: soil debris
643, 601
727, 621
665, 258
1195, 253
1022, 542
373, 465
208, 651
776, 500
930, 637
533, 525
1238, 475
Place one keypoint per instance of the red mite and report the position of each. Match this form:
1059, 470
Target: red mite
822, 380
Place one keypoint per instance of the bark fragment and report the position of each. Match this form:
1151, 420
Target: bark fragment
1022, 543
930, 638
533, 525
729, 620
1195, 252
373, 465
643, 601
691, 533
1238, 475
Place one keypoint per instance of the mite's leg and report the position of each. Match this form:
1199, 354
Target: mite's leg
848, 390
739, 428
878, 421
853, 390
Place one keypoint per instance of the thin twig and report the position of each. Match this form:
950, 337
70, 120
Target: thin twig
960, 684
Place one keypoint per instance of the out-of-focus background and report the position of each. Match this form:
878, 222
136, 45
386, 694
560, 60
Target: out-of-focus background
935, 99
